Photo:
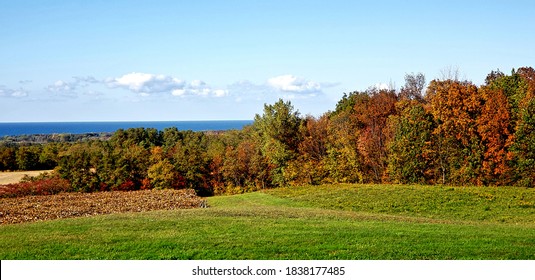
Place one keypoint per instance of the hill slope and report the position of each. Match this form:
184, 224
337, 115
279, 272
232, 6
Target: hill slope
326, 222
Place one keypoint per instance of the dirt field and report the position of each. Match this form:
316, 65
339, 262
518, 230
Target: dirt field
67, 205
16, 176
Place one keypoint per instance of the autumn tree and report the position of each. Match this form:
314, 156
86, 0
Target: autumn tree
131, 165
495, 129
344, 163
528, 75
523, 148
493, 76
278, 129
216, 154
27, 157
309, 166
172, 136
77, 165
244, 166
455, 107
513, 117
143, 137
514, 87
48, 157
372, 114
163, 176
8, 160
161, 173
410, 157
413, 88
190, 160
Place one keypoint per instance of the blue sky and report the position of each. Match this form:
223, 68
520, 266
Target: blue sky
211, 60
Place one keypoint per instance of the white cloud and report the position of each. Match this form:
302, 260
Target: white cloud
293, 84
19, 93
220, 92
148, 84
198, 87
70, 88
178, 92
62, 86
7, 92
284, 86
197, 83
86, 80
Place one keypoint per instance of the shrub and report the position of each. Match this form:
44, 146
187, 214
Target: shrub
44, 186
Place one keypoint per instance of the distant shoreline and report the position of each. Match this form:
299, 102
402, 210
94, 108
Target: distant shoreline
12, 129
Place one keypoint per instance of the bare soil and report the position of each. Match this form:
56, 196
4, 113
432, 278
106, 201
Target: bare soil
68, 205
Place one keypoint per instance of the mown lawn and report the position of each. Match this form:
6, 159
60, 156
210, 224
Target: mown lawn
452, 204
325, 222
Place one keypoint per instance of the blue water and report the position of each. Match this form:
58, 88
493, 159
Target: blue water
25, 128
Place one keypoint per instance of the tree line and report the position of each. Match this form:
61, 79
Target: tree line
445, 132
51, 138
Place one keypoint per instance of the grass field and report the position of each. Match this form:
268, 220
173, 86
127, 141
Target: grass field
325, 222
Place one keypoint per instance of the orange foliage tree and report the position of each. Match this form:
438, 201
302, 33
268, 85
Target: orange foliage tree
455, 107
494, 127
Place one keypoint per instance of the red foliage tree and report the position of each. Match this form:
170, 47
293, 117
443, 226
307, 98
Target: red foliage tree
373, 113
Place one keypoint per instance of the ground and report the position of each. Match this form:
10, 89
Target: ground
16, 176
69, 205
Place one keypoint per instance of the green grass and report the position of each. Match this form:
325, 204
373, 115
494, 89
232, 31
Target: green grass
452, 204
326, 222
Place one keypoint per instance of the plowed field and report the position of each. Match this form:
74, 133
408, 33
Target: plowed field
67, 205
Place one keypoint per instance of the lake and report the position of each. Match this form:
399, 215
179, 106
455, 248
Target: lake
26, 128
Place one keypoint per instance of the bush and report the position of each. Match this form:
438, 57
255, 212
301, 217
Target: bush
43, 186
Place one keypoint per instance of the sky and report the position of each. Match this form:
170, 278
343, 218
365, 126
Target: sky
161, 60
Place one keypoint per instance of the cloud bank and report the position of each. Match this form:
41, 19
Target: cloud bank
158, 85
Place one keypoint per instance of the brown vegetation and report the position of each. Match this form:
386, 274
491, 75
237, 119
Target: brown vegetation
68, 205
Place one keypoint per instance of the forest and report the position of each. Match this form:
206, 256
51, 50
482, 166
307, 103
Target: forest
445, 132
